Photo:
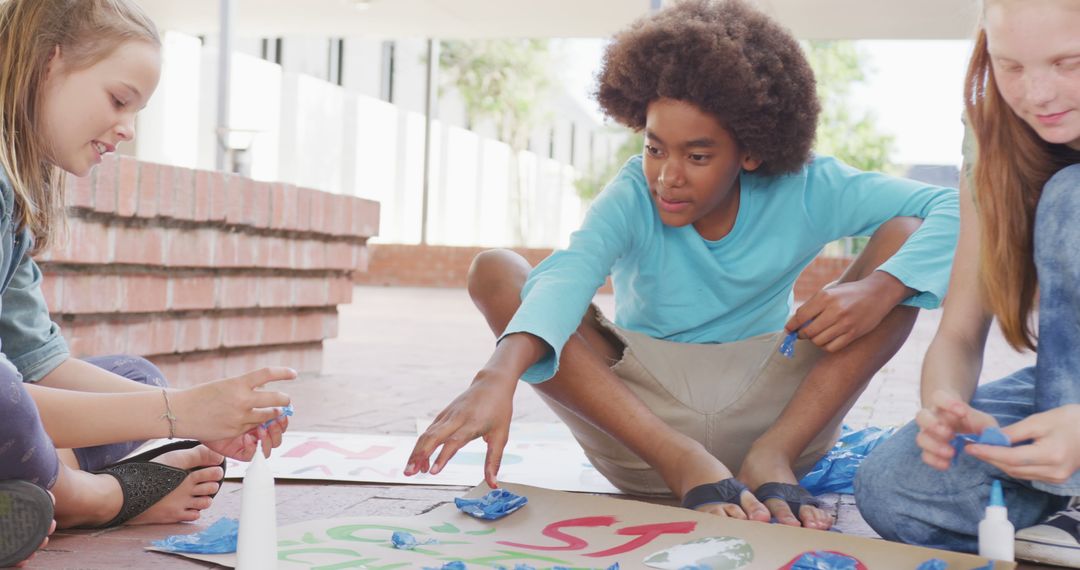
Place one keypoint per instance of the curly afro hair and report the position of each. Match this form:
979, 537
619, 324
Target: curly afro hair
729, 60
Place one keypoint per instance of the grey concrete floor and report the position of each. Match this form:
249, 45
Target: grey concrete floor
403, 353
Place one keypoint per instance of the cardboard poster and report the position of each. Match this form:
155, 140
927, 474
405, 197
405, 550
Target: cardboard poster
552, 462
580, 531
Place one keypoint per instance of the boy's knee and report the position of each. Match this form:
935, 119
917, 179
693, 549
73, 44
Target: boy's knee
494, 266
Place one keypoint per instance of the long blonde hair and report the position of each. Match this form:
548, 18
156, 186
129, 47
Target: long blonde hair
86, 31
1014, 163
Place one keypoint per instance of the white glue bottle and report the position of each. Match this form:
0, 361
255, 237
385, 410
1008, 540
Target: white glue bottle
256, 541
996, 533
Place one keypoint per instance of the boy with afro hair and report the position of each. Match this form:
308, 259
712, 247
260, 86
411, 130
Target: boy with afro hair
704, 235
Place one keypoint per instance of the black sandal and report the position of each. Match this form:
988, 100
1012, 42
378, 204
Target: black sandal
794, 495
26, 514
144, 482
725, 491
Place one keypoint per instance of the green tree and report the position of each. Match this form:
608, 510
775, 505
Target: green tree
853, 138
506, 82
590, 182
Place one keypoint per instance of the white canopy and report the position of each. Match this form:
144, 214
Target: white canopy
808, 19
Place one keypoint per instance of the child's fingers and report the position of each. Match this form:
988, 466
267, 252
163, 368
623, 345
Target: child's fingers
935, 447
839, 343
269, 374
1028, 428
826, 335
438, 433
449, 448
1011, 457
271, 399
496, 442
255, 418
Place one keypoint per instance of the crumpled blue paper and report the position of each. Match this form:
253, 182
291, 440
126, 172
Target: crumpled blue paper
455, 565
990, 436
218, 538
787, 348
406, 541
493, 506
286, 411
614, 566
835, 473
933, 564
821, 560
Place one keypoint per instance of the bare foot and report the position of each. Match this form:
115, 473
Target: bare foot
696, 466
86, 499
763, 466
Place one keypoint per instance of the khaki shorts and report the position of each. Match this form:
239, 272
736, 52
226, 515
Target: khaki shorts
722, 395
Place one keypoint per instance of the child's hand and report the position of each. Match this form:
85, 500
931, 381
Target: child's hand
482, 410
1054, 454
243, 447
844, 312
229, 408
939, 423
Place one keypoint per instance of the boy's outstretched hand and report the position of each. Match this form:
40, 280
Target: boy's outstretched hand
843, 312
482, 410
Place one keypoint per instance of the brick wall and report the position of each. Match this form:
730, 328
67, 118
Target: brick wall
205, 273
443, 266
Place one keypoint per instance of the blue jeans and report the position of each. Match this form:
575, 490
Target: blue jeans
27, 453
903, 499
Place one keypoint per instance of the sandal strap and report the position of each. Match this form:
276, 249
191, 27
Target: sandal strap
794, 495
724, 491
143, 484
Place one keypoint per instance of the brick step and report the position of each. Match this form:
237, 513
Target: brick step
158, 334
68, 293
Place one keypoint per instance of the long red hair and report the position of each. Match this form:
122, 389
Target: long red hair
1013, 165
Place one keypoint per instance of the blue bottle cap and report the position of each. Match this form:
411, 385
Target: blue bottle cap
997, 498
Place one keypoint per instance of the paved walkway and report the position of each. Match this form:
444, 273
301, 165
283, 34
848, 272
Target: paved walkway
403, 353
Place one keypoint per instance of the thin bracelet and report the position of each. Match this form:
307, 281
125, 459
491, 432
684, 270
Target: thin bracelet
168, 415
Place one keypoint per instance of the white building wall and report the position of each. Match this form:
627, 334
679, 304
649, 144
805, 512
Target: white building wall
344, 139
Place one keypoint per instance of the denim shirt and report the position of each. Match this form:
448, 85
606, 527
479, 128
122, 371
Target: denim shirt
29, 339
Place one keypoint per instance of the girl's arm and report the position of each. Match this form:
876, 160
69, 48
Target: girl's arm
81, 376
954, 360
208, 412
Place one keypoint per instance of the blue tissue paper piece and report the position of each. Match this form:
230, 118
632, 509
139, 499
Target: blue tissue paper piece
787, 348
933, 564
455, 565
989, 566
990, 436
820, 560
835, 473
492, 506
406, 541
286, 411
218, 538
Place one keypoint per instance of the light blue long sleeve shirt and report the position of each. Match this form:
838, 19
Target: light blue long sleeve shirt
672, 284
